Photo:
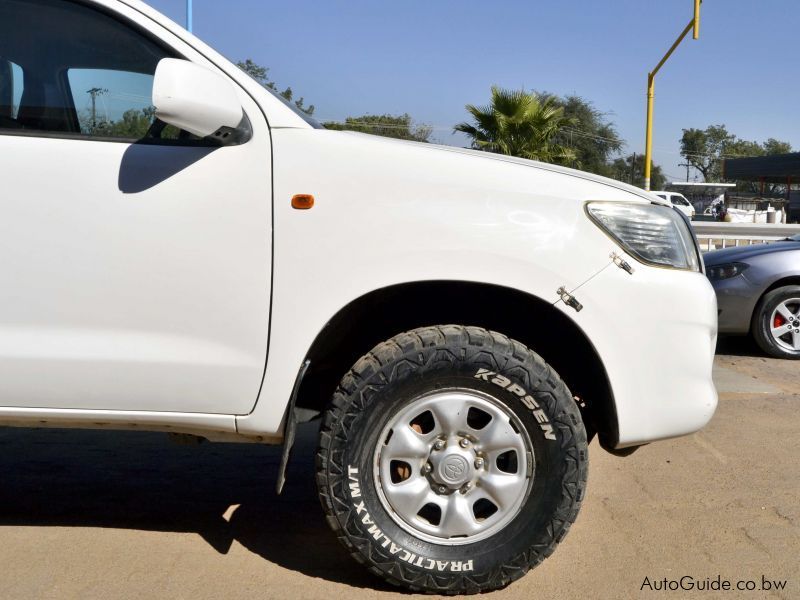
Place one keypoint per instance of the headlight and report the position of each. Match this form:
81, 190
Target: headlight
718, 272
652, 233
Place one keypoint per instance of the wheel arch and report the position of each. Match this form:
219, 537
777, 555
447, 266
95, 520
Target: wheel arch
783, 281
383, 313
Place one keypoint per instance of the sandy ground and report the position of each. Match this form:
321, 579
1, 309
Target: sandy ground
131, 515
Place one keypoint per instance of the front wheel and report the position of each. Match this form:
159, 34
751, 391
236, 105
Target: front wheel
776, 322
452, 460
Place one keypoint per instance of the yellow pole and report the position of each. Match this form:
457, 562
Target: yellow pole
696, 21
694, 24
648, 149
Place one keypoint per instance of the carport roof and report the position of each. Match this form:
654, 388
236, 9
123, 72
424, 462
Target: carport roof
777, 168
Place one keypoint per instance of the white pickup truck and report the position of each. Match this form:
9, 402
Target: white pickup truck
182, 251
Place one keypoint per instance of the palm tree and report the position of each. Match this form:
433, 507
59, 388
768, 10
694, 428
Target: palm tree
521, 124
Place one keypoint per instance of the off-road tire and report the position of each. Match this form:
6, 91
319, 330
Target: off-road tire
761, 321
389, 377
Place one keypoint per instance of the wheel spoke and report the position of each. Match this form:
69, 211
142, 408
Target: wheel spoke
409, 496
784, 311
796, 340
458, 519
498, 437
450, 416
777, 332
503, 489
406, 443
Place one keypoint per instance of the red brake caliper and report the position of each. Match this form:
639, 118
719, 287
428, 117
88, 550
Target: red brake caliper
779, 320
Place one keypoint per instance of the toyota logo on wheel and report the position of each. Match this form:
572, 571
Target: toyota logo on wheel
454, 467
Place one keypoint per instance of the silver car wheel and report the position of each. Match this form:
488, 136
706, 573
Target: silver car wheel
454, 466
785, 324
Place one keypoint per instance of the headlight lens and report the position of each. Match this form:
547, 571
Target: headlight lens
727, 271
652, 233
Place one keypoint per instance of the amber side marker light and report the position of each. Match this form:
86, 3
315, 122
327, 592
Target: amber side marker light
302, 201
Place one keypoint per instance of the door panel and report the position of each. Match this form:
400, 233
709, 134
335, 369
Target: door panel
150, 300
133, 276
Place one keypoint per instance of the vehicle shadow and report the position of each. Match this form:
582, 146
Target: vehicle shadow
738, 345
131, 480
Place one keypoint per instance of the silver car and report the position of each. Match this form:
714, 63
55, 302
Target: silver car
758, 293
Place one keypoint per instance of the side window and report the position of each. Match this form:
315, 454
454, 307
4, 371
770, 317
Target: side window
10, 90
111, 103
69, 69
16, 87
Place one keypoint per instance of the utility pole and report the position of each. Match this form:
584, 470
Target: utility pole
189, 16
94, 93
694, 25
687, 164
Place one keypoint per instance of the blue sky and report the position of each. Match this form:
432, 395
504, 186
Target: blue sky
430, 58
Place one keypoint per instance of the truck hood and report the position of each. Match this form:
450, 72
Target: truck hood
426, 147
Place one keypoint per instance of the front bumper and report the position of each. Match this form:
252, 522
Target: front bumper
655, 331
736, 299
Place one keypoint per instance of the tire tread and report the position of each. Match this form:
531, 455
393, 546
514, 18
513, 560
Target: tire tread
412, 345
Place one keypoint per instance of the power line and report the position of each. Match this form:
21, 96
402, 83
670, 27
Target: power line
94, 93
687, 164
582, 133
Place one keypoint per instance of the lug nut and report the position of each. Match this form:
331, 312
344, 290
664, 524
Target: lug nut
479, 463
438, 444
427, 468
464, 443
465, 488
441, 489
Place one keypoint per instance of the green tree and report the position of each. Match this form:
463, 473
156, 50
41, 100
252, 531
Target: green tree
519, 123
393, 126
770, 147
737, 147
630, 169
592, 137
773, 146
134, 124
261, 75
257, 72
704, 149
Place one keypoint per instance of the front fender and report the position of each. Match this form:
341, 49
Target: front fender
388, 213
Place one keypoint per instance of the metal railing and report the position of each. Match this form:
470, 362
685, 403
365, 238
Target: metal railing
714, 236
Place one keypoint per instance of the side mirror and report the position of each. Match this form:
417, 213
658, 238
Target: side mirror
198, 100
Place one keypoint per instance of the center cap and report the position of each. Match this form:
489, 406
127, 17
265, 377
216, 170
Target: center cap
454, 470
